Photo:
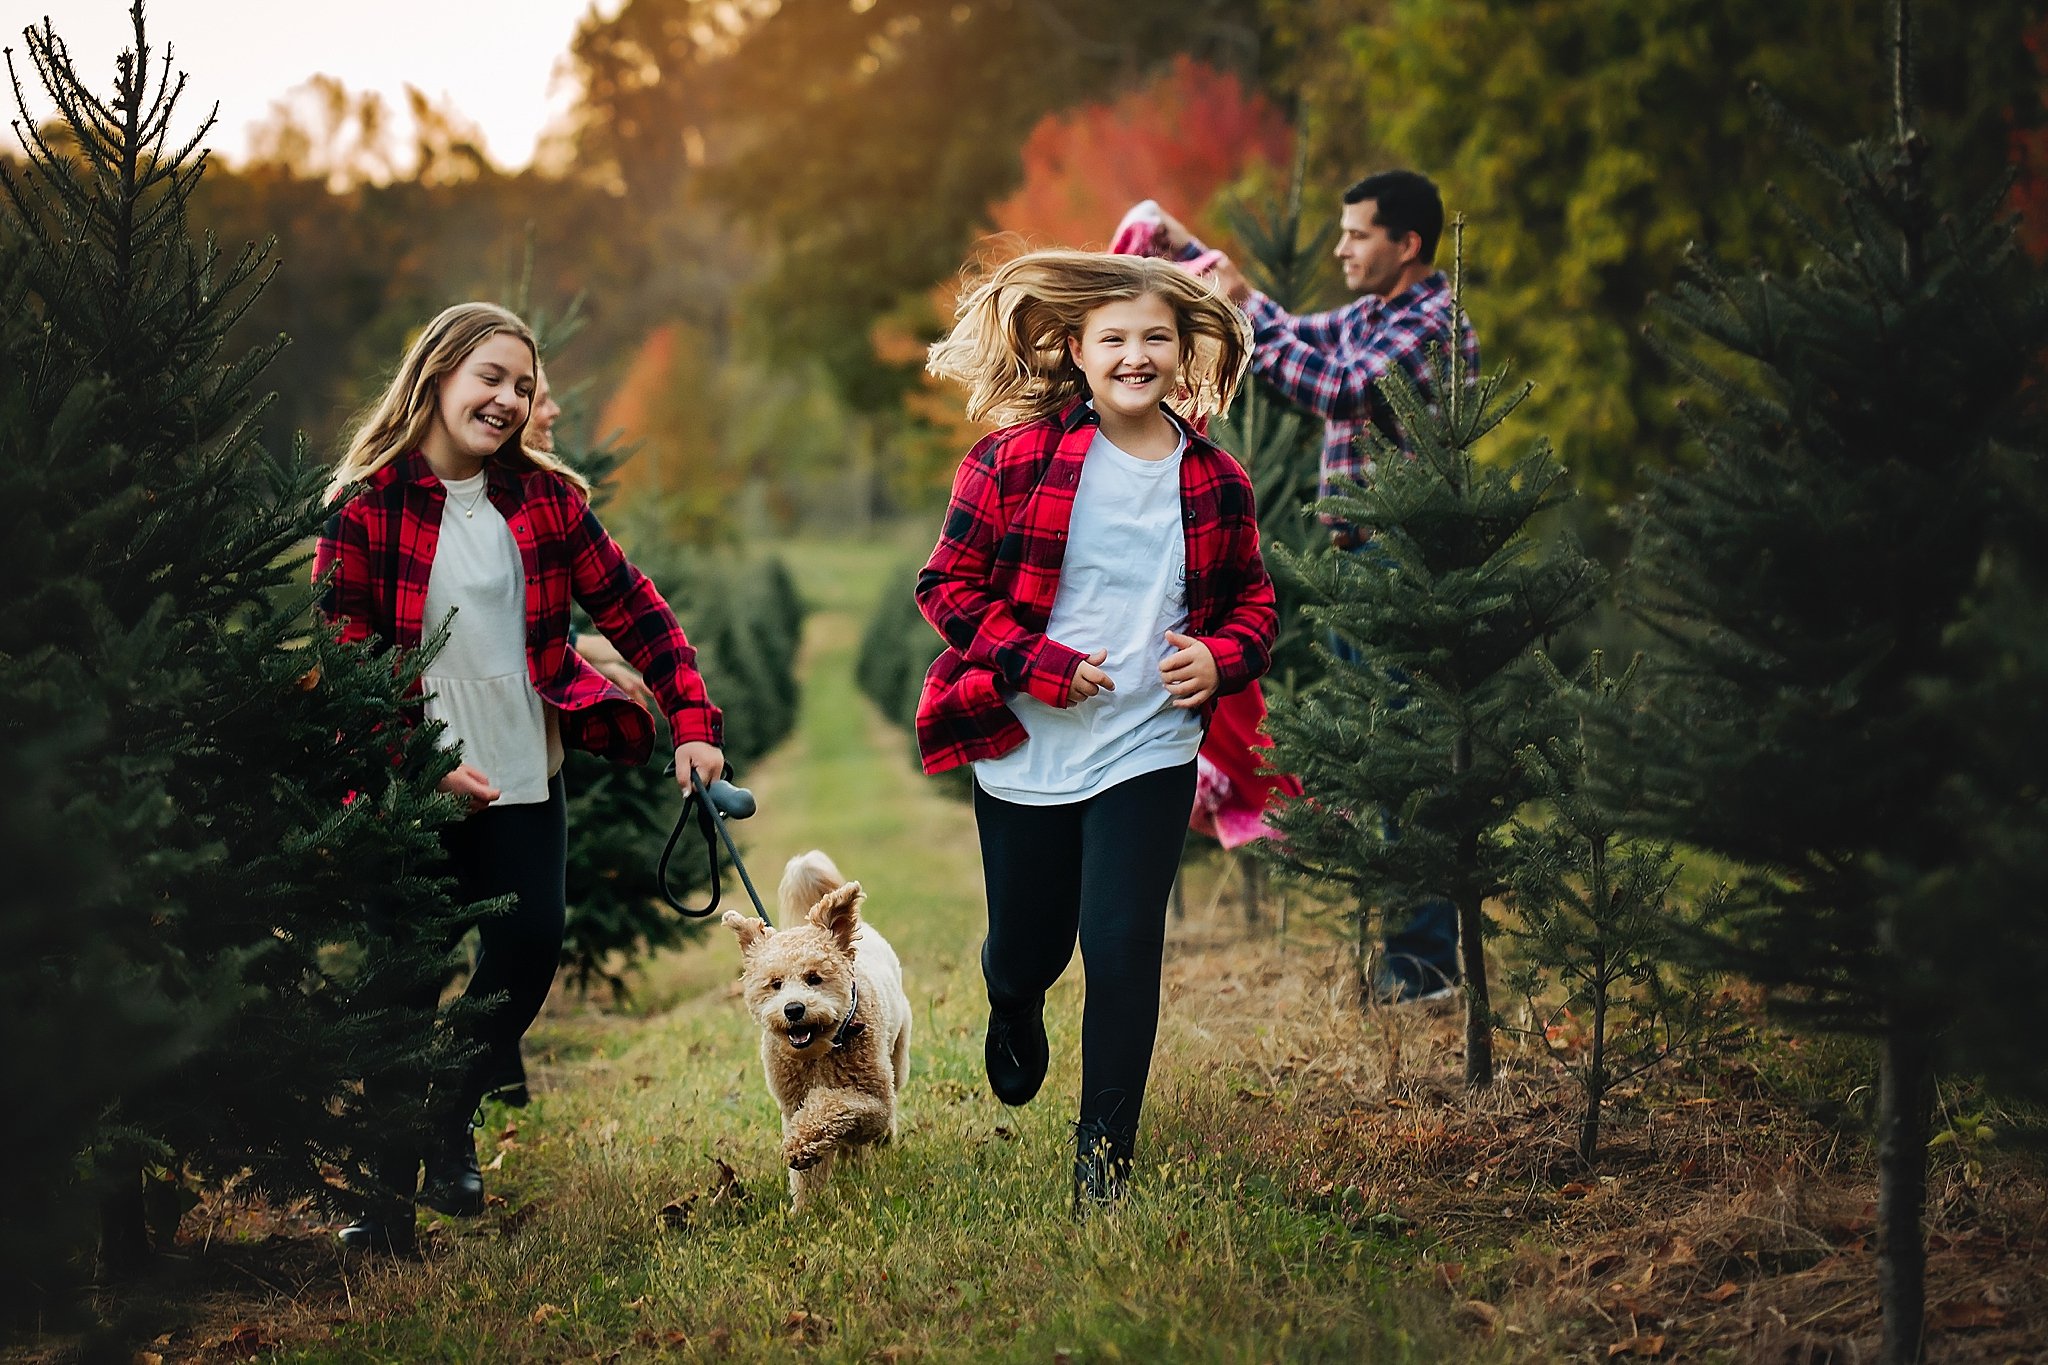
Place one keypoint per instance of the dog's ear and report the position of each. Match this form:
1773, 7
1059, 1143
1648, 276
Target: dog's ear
838, 914
750, 929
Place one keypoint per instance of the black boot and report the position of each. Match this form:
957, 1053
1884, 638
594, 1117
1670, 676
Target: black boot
386, 1227
1015, 1050
454, 1184
1102, 1166
384, 1233
1016, 1053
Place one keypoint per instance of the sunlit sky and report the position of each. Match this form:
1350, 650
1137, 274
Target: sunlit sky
501, 63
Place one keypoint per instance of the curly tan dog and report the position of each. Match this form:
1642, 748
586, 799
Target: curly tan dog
827, 992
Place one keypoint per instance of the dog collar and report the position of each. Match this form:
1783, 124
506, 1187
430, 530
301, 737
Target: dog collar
847, 1028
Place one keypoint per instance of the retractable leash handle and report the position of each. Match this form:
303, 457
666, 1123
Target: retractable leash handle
713, 805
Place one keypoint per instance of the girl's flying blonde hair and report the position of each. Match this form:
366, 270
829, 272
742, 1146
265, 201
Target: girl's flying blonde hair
1009, 339
398, 423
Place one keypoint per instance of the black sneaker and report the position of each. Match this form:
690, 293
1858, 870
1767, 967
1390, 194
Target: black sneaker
1016, 1053
454, 1183
1102, 1167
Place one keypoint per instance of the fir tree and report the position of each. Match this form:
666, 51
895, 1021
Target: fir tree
1592, 914
244, 814
1832, 583
1278, 446
1408, 757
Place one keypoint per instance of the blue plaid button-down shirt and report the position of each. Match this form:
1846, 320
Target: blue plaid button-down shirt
1329, 362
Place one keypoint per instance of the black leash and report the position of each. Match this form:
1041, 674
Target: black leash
713, 805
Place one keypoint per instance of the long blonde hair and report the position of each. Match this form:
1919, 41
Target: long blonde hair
398, 422
1009, 339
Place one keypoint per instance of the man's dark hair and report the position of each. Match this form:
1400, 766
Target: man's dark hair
1403, 202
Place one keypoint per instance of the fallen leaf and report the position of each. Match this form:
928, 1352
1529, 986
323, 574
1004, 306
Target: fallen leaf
1723, 1292
1966, 1317
1450, 1273
676, 1212
1576, 1189
546, 1314
1638, 1346
1480, 1313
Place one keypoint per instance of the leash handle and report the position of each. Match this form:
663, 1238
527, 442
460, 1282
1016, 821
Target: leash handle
713, 805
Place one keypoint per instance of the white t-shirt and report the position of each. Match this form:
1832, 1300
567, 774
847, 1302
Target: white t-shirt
1122, 587
478, 683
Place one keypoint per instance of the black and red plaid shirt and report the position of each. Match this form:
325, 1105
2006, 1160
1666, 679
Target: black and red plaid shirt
380, 548
988, 588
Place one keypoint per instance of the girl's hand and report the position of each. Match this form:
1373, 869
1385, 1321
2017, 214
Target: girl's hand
707, 759
472, 786
1189, 672
602, 655
1089, 679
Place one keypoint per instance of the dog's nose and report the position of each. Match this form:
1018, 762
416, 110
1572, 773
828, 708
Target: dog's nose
793, 1011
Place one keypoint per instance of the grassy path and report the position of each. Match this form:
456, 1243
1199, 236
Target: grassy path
644, 1214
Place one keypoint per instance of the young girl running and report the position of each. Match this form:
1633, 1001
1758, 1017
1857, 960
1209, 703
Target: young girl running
455, 514
1098, 585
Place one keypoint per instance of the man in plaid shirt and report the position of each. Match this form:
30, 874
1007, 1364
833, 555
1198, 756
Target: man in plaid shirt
1330, 363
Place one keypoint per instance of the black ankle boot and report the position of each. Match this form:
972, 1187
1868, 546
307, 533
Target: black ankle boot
388, 1233
1102, 1166
1016, 1053
454, 1184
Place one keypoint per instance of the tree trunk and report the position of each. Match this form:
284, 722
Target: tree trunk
1478, 1005
1905, 1097
1596, 1078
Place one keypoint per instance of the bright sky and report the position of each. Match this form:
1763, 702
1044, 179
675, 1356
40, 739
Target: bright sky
501, 63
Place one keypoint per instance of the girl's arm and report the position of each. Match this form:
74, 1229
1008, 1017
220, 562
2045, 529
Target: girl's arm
1243, 646
954, 594
344, 549
632, 614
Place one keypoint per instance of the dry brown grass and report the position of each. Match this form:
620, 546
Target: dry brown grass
1722, 1222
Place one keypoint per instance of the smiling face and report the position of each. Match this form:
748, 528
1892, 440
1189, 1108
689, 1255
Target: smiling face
540, 431
1129, 351
1374, 262
482, 403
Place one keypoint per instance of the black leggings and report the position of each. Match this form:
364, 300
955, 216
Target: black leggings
521, 851
1099, 869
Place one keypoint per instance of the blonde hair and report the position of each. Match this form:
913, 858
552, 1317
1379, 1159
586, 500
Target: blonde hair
398, 422
1009, 339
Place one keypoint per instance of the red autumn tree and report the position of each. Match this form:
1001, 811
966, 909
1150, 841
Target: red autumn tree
1179, 138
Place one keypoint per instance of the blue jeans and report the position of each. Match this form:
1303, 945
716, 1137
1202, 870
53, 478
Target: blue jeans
1423, 954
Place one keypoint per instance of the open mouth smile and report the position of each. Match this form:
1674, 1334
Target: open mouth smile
802, 1036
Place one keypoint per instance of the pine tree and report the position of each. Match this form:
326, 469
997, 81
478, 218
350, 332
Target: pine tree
247, 830
1278, 446
1594, 922
1408, 758
1833, 585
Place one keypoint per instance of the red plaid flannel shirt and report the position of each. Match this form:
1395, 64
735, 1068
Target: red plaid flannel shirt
988, 588
380, 550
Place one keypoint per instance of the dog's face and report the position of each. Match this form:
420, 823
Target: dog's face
798, 981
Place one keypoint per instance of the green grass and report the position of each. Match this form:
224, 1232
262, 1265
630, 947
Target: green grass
954, 1244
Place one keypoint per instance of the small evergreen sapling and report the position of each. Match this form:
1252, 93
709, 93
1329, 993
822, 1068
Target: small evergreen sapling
1408, 757
1593, 916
